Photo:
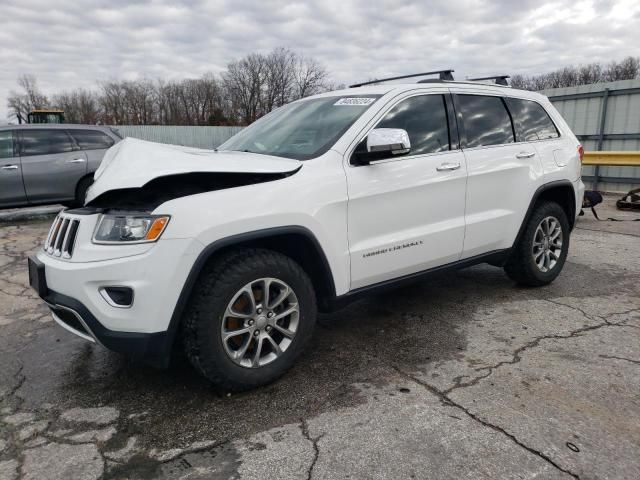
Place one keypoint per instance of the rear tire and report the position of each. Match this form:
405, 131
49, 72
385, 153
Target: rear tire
541, 251
233, 332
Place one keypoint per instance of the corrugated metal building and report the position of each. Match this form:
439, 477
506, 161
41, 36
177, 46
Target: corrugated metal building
604, 116
199, 137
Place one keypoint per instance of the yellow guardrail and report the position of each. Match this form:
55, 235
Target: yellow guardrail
612, 158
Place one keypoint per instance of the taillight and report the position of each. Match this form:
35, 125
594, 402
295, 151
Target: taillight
581, 153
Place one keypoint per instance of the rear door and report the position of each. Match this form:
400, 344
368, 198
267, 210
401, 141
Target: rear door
52, 164
406, 214
503, 174
94, 143
11, 187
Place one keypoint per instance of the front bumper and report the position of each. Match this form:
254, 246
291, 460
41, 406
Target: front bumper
72, 291
153, 348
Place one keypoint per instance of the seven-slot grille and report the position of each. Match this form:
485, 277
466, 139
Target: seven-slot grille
62, 237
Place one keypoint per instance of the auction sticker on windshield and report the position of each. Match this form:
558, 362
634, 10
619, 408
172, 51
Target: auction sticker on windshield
355, 101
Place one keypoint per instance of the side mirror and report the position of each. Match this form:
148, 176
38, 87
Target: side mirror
382, 143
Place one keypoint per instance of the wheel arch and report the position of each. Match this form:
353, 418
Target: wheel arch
86, 176
559, 191
297, 242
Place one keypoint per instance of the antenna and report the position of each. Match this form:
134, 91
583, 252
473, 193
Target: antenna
443, 75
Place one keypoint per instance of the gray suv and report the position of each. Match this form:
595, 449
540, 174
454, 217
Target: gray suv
42, 164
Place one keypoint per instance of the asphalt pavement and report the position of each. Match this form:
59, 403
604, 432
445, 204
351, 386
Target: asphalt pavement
463, 376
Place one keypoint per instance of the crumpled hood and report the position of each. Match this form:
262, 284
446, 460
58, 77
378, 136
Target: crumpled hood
132, 163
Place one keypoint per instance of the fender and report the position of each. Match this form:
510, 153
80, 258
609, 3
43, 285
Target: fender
238, 239
534, 199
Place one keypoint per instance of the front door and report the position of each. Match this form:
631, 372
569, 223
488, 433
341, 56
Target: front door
11, 187
52, 165
406, 214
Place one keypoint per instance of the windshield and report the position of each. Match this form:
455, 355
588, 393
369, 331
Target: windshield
301, 130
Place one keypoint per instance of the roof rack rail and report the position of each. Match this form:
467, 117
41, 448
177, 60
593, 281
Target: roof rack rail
498, 79
443, 75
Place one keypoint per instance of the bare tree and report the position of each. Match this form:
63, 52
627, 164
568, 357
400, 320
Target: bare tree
80, 106
21, 103
309, 78
280, 67
590, 73
138, 100
112, 103
627, 69
168, 104
244, 82
257, 83
250, 88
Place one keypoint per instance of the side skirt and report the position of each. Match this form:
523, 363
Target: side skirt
496, 258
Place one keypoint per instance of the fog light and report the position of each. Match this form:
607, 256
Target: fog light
119, 297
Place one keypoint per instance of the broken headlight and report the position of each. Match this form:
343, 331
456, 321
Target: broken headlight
129, 228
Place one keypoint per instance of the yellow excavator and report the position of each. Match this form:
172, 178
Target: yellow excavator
44, 115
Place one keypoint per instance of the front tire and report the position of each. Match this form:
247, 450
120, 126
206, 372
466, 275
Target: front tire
250, 316
541, 252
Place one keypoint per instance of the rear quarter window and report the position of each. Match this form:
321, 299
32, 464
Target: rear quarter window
91, 139
531, 120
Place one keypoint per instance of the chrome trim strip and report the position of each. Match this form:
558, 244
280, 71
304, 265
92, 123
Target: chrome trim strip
64, 226
109, 300
52, 235
58, 236
66, 239
70, 246
47, 242
90, 337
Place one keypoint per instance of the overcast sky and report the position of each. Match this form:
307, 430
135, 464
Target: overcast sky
75, 43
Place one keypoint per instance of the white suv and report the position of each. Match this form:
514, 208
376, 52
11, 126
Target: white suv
336, 195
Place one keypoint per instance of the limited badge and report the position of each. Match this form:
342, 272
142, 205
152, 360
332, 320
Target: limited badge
356, 101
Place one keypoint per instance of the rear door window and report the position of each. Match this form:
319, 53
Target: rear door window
531, 120
424, 118
6, 144
91, 139
486, 121
45, 142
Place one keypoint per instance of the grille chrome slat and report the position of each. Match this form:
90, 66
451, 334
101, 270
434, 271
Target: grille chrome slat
54, 235
57, 249
70, 240
51, 233
48, 240
62, 236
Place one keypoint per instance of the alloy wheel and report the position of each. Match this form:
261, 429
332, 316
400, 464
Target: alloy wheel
260, 322
547, 244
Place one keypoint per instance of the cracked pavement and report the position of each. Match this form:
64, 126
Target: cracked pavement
462, 376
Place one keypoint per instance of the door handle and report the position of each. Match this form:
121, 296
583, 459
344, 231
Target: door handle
525, 154
76, 160
448, 166
9, 167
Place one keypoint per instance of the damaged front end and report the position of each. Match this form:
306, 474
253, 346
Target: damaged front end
139, 175
160, 190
